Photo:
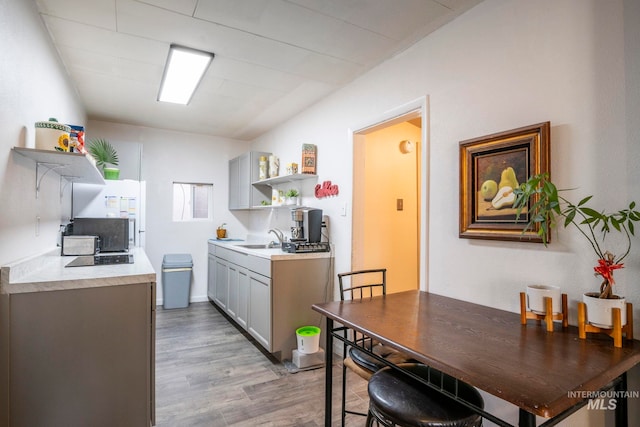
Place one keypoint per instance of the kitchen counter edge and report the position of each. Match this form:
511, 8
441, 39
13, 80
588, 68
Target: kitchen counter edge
47, 272
274, 254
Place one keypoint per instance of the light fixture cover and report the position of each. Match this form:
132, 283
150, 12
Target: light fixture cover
183, 72
406, 146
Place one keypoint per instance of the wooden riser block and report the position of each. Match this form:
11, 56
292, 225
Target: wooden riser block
615, 332
549, 317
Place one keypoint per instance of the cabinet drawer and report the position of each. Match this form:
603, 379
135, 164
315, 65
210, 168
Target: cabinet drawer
235, 257
239, 258
259, 265
223, 253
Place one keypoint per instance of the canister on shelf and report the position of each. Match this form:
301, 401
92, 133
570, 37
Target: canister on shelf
51, 135
292, 168
274, 166
275, 197
263, 168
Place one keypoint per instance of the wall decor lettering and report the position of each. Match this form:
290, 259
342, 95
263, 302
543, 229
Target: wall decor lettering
326, 189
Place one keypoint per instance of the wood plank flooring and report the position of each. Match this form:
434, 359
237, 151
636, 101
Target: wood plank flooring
208, 373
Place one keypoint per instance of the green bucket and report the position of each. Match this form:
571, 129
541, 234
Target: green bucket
308, 339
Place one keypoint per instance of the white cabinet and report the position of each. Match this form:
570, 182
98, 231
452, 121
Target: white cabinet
242, 313
243, 170
211, 275
269, 299
259, 325
221, 282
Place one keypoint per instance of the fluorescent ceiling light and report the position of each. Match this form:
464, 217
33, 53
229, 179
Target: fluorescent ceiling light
182, 74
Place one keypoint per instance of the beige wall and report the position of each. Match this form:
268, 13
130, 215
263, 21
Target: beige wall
384, 236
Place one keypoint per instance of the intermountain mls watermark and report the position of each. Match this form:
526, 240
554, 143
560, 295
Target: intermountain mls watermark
606, 399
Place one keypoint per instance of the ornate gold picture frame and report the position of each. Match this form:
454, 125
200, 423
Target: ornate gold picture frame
491, 167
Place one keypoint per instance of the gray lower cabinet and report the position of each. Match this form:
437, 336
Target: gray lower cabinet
211, 275
80, 357
269, 299
221, 282
259, 324
242, 310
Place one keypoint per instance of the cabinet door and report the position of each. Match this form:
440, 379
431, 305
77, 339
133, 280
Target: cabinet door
82, 357
260, 309
243, 171
211, 277
222, 283
232, 302
244, 181
234, 175
242, 314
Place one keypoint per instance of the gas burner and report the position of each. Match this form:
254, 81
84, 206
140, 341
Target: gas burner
305, 247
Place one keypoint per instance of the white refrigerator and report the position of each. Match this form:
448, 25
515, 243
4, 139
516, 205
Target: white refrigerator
116, 199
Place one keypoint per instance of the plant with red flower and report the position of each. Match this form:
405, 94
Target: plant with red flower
540, 200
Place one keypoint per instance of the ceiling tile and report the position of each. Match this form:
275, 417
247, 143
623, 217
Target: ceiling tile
273, 57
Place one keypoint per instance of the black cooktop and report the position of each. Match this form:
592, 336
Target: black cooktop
84, 261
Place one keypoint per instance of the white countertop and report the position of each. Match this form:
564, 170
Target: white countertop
47, 272
274, 254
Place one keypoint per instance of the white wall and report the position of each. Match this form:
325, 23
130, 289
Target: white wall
174, 156
502, 65
33, 87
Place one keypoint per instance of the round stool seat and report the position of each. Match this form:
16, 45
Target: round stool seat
396, 398
372, 364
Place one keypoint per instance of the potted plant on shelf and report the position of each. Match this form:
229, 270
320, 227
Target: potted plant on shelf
549, 209
105, 155
292, 196
221, 232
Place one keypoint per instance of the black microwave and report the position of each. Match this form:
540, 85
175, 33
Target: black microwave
112, 232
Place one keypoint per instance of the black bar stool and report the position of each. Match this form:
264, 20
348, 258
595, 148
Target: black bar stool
358, 285
396, 399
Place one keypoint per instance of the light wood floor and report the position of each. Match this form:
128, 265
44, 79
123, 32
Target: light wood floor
209, 374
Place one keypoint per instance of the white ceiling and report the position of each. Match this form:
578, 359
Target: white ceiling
273, 58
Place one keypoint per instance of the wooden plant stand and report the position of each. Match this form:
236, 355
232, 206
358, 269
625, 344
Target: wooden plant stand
615, 332
548, 317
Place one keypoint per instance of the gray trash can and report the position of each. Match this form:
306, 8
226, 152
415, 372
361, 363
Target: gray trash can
176, 280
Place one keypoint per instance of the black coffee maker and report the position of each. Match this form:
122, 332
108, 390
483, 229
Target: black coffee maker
307, 225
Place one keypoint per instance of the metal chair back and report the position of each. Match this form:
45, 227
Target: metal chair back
363, 283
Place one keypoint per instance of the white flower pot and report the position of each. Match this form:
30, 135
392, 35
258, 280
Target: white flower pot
599, 310
536, 295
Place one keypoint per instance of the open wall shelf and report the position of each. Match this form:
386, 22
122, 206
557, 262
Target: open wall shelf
284, 179
73, 167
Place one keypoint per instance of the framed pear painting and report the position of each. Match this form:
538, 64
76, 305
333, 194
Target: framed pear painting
491, 167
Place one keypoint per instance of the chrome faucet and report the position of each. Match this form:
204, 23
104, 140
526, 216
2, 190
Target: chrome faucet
279, 234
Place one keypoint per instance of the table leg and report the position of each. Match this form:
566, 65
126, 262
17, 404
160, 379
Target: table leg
526, 419
621, 414
328, 373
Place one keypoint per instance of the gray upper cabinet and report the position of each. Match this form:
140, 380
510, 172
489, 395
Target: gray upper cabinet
243, 170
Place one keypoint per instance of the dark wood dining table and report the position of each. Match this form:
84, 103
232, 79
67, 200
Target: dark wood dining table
549, 374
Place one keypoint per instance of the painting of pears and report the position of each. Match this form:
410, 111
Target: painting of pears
497, 175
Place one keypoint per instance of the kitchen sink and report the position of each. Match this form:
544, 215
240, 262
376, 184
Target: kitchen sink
260, 246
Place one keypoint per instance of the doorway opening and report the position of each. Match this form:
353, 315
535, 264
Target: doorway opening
389, 198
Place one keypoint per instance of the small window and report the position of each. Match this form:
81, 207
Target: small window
192, 201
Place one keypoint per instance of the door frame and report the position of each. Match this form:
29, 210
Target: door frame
396, 115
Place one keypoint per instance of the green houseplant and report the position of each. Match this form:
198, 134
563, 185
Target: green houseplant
292, 196
550, 209
105, 155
